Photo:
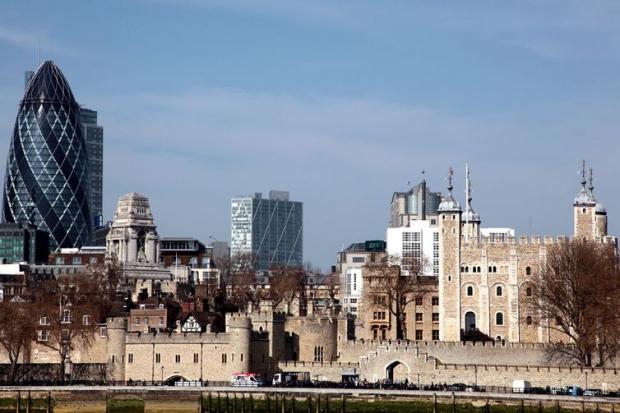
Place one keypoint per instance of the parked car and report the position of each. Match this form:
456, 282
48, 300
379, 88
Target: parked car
473, 388
573, 390
593, 392
457, 387
537, 390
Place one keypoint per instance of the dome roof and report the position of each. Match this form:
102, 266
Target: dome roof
600, 209
449, 204
470, 216
49, 85
584, 198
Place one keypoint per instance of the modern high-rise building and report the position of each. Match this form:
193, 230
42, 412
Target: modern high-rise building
93, 134
413, 205
47, 182
269, 229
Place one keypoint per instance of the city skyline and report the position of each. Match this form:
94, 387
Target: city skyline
340, 104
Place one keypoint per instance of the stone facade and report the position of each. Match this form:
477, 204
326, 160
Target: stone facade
483, 279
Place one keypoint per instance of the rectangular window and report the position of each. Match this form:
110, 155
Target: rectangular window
418, 335
42, 335
146, 321
419, 317
130, 358
137, 321
196, 358
66, 316
77, 260
353, 300
418, 301
435, 335
161, 321
60, 260
44, 321
435, 317
435, 300
103, 332
157, 358
177, 358
223, 358
86, 320
358, 259
92, 260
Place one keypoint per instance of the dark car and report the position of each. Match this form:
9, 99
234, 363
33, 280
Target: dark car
457, 387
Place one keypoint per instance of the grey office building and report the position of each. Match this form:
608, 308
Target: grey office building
269, 229
93, 135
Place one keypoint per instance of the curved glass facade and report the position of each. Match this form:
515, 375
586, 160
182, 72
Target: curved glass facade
47, 180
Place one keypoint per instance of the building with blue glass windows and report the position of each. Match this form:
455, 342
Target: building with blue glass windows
271, 230
47, 181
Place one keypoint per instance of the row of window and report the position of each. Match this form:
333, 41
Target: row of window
177, 358
499, 291
44, 335
434, 301
66, 318
492, 269
380, 333
147, 321
75, 261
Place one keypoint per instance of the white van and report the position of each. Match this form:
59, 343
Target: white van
521, 386
245, 380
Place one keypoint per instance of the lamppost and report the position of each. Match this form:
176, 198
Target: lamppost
418, 381
162, 375
586, 379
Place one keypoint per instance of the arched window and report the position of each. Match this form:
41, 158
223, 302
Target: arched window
470, 291
528, 270
528, 320
499, 319
528, 291
499, 291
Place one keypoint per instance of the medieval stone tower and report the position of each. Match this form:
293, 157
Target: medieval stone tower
590, 216
133, 236
449, 213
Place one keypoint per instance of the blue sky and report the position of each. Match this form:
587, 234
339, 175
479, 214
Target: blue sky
339, 102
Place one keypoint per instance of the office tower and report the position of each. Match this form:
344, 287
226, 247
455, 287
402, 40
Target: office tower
47, 181
269, 229
22, 242
93, 135
412, 205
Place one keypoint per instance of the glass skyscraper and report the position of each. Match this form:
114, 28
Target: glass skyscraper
269, 229
93, 135
47, 181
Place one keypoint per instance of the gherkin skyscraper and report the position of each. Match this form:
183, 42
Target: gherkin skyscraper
47, 180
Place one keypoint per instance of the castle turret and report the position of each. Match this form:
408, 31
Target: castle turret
471, 219
600, 213
449, 214
584, 209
